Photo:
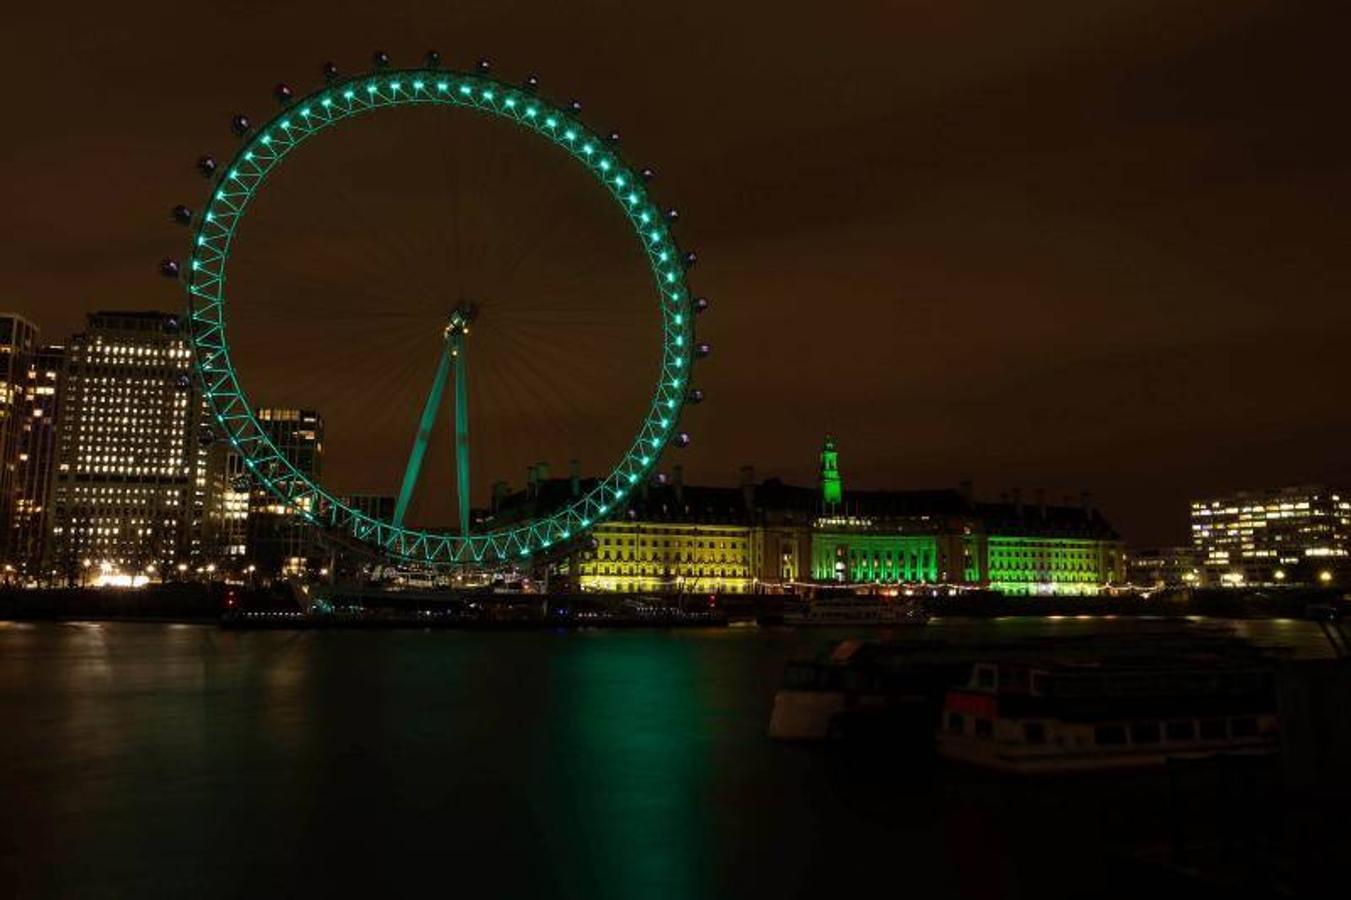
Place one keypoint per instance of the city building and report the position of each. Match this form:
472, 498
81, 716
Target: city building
31, 522
18, 341
673, 539
1163, 567
279, 540
1289, 535
772, 537
1049, 550
377, 506
227, 507
128, 490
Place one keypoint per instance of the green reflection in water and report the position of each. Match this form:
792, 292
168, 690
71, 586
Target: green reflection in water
634, 749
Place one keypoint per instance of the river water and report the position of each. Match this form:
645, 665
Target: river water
142, 759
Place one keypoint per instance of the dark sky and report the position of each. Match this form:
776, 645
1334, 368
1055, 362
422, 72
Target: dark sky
1050, 244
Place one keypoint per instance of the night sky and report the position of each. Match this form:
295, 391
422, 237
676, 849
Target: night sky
1065, 245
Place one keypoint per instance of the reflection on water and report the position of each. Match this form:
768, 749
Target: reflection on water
171, 760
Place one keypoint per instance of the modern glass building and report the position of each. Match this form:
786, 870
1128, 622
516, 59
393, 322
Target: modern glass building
279, 540
128, 490
37, 456
18, 342
1277, 536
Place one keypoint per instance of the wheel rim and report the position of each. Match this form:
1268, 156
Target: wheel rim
232, 412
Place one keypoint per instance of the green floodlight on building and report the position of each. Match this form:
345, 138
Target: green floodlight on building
832, 488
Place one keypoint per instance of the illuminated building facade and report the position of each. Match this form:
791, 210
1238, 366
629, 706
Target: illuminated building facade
1159, 567
227, 506
1058, 565
674, 539
18, 341
1284, 535
773, 537
279, 540
128, 490
37, 456
948, 537
832, 488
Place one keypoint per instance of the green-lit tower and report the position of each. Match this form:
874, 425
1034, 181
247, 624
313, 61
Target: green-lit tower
832, 489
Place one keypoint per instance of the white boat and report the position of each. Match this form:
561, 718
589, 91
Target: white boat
852, 609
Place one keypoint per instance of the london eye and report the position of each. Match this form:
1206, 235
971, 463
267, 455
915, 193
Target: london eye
430, 289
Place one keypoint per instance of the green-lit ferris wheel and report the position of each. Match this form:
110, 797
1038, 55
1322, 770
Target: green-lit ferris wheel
238, 182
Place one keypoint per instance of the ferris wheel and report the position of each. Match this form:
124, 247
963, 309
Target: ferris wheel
342, 100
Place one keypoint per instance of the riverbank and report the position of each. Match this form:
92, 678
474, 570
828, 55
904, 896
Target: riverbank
278, 607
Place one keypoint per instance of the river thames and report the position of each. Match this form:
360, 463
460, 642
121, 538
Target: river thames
145, 759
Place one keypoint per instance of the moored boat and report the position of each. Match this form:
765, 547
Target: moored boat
1064, 715
853, 609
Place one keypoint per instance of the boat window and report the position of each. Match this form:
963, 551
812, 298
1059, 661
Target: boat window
984, 728
956, 722
1243, 727
1034, 732
1109, 734
1212, 729
1145, 733
1180, 731
985, 676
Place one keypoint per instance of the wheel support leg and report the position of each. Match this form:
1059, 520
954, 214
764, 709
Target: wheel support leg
424, 433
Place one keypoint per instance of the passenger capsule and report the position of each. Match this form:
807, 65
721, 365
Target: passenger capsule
182, 215
330, 71
682, 439
689, 258
695, 396
169, 268
206, 165
703, 350
283, 94
380, 59
240, 125
613, 137
531, 82
672, 214
433, 59
648, 174
575, 106
700, 304
484, 65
